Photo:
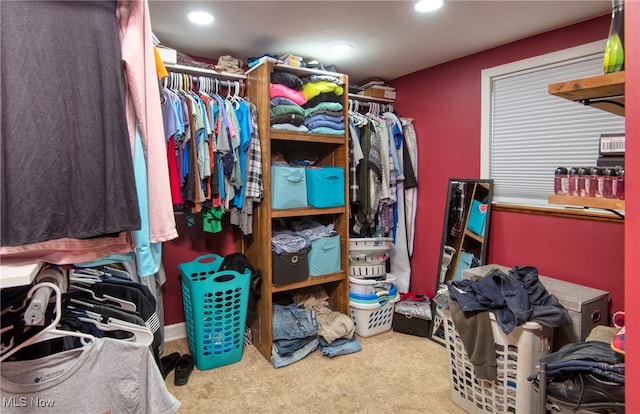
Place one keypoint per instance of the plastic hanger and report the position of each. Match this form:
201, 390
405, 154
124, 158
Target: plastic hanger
142, 334
123, 304
51, 331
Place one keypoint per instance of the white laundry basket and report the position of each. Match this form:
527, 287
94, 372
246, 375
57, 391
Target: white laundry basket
517, 356
367, 256
375, 316
370, 286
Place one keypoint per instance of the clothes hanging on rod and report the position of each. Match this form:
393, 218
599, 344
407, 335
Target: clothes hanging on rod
58, 377
213, 148
90, 138
58, 146
381, 174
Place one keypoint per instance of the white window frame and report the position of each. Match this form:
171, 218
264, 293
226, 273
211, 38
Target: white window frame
488, 75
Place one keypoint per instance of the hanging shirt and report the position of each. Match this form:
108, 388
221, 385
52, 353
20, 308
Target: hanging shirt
67, 164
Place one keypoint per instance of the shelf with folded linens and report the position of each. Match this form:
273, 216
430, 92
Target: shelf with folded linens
285, 181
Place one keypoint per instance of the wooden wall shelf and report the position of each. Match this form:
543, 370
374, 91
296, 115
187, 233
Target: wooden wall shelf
604, 203
605, 92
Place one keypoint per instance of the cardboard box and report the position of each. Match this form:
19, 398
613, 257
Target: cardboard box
379, 92
587, 306
411, 325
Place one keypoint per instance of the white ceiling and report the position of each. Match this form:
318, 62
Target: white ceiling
389, 38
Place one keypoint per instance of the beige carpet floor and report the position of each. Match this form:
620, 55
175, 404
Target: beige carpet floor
394, 373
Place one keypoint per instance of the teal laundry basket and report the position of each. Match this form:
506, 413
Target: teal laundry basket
215, 310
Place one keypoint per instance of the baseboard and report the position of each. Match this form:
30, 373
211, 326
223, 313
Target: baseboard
175, 331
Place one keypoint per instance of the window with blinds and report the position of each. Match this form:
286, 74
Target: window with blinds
527, 133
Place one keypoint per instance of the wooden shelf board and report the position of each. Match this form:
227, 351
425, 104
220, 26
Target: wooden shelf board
311, 281
306, 211
474, 236
604, 203
599, 86
605, 92
307, 137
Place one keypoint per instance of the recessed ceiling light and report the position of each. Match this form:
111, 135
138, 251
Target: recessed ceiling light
200, 17
341, 48
428, 5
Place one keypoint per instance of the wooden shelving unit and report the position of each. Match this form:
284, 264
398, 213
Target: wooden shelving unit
605, 92
332, 150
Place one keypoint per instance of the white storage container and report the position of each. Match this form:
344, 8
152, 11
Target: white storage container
370, 286
517, 355
368, 256
373, 319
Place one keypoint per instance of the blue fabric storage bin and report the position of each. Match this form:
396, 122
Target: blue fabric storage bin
477, 217
465, 261
288, 187
324, 256
325, 186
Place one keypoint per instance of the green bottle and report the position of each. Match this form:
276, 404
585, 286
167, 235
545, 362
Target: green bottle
614, 51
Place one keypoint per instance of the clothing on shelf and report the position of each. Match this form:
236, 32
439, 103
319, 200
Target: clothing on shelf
308, 323
309, 104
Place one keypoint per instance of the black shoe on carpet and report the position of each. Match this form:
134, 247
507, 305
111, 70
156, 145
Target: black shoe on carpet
183, 369
169, 363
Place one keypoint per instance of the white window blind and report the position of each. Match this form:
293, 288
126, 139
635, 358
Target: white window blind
532, 132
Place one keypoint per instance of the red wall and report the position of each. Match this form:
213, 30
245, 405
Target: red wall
192, 243
444, 102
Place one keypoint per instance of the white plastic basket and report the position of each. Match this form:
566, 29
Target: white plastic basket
369, 251
364, 271
517, 355
370, 286
371, 320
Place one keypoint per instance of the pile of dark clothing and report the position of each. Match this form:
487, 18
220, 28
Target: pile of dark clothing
514, 298
586, 375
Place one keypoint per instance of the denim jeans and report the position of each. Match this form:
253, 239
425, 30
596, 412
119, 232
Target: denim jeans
340, 346
293, 321
515, 298
280, 361
593, 357
286, 347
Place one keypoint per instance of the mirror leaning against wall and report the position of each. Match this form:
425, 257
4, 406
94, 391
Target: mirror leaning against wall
464, 236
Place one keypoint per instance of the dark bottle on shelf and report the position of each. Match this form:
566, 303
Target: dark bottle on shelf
561, 181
